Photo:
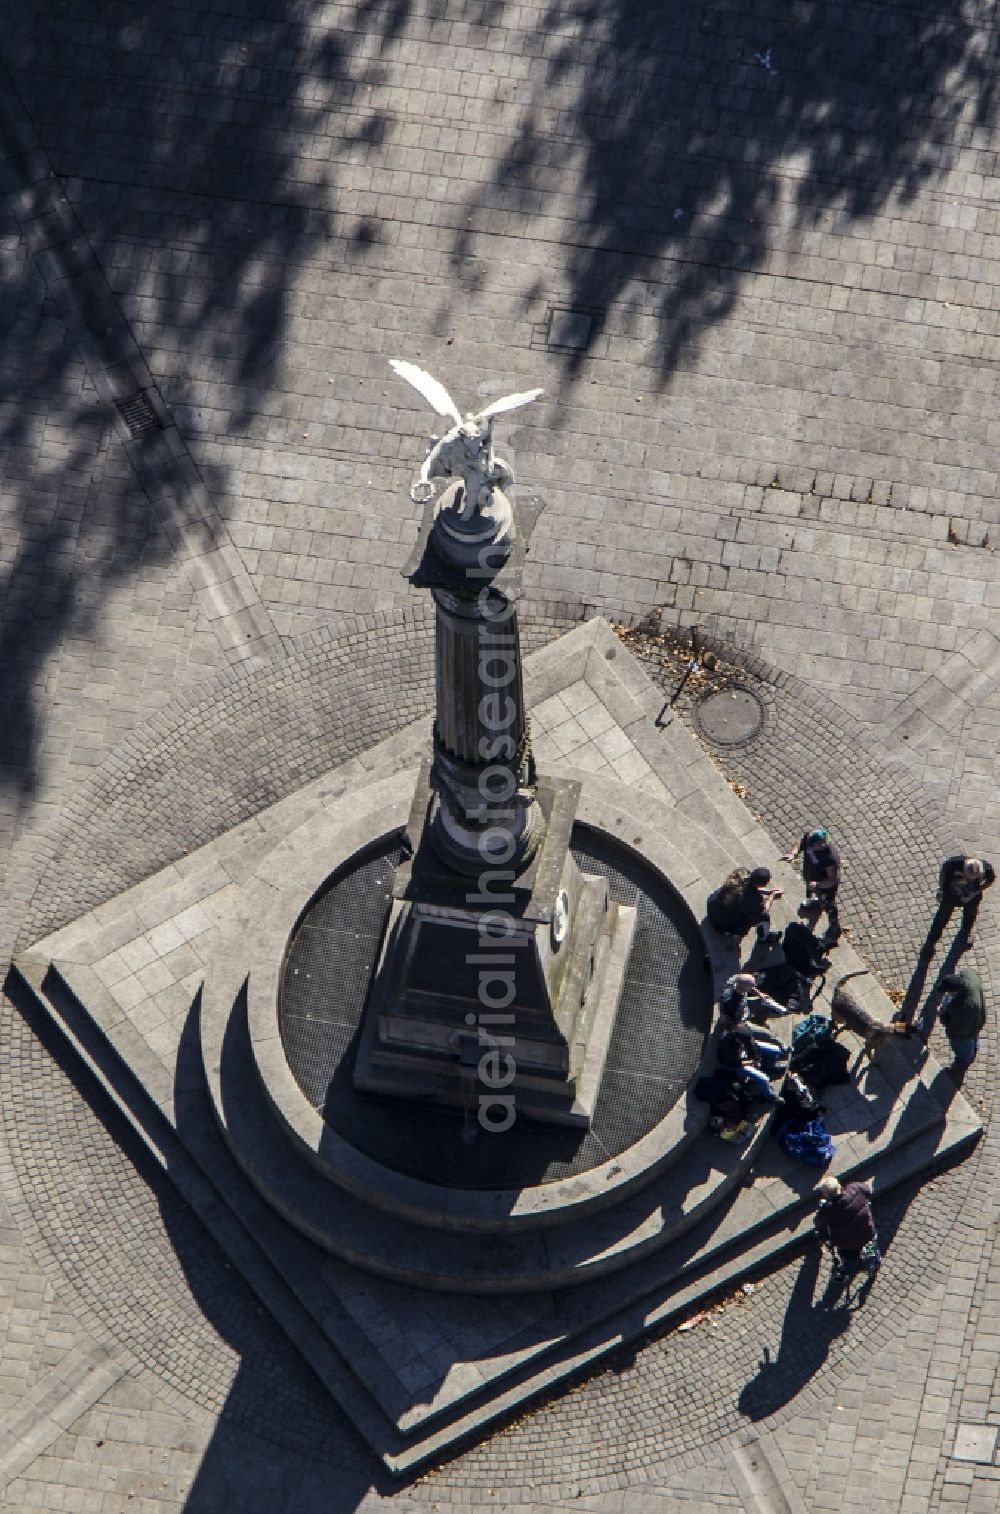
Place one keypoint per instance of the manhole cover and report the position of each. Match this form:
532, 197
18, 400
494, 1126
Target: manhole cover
729, 717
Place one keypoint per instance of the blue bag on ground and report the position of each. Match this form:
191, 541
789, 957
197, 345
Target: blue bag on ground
809, 1141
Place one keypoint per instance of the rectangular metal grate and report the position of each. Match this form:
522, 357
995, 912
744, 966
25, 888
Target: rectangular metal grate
138, 414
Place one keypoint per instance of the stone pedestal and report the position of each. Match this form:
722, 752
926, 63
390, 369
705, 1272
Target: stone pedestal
496, 993
502, 964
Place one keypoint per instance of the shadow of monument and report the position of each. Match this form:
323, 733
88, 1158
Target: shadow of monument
462, 1324
277, 1432
280, 1441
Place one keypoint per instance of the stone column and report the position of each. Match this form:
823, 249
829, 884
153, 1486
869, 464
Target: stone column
488, 859
483, 772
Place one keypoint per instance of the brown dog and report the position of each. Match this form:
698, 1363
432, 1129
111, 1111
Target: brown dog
847, 1014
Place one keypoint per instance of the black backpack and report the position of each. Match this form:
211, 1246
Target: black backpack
821, 1062
780, 981
798, 1102
803, 950
723, 1092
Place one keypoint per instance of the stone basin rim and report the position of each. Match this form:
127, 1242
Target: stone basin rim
285, 883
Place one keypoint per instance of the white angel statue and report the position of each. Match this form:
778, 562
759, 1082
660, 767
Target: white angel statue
466, 450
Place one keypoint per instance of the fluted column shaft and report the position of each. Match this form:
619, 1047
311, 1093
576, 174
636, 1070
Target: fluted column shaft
480, 715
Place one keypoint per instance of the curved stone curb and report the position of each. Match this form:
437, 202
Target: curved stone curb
283, 885
110, 822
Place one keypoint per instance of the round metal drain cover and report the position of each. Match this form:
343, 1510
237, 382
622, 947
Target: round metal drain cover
729, 717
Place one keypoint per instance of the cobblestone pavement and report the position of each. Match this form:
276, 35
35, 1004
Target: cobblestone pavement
772, 416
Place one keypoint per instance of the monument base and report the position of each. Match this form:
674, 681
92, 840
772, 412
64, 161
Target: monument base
431, 1073
423, 1369
496, 994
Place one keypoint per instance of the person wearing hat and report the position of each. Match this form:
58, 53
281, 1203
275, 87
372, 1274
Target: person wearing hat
743, 903
845, 1220
962, 882
821, 874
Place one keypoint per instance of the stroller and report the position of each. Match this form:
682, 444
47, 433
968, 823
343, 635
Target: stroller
846, 1268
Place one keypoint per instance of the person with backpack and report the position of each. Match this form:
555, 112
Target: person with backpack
845, 1221
821, 874
963, 1014
962, 882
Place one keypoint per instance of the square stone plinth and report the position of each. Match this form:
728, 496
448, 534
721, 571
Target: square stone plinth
417, 1370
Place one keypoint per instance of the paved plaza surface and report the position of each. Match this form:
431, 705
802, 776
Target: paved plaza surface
751, 252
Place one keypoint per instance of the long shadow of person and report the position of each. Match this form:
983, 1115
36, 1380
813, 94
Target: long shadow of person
927, 1017
807, 1333
915, 988
914, 991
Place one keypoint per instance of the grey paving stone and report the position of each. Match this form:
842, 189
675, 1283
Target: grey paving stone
827, 343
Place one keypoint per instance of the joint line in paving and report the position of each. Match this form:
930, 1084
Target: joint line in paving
160, 457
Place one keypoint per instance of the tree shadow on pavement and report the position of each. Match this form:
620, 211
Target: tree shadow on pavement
210, 159
807, 1333
672, 141
203, 153
71, 530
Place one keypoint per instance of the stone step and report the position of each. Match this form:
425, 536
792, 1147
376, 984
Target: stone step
704, 1171
662, 1295
699, 790
675, 755
228, 1206
231, 858
455, 1249
693, 860
697, 1267
592, 654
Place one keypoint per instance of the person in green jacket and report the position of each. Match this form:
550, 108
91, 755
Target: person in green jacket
963, 1013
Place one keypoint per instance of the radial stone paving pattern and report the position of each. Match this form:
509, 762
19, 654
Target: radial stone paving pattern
629, 1418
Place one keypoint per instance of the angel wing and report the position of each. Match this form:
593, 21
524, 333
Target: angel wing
509, 402
434, 393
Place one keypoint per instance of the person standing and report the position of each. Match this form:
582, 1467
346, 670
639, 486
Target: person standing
845, 1220
821, 874
962, 1012
961, 884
